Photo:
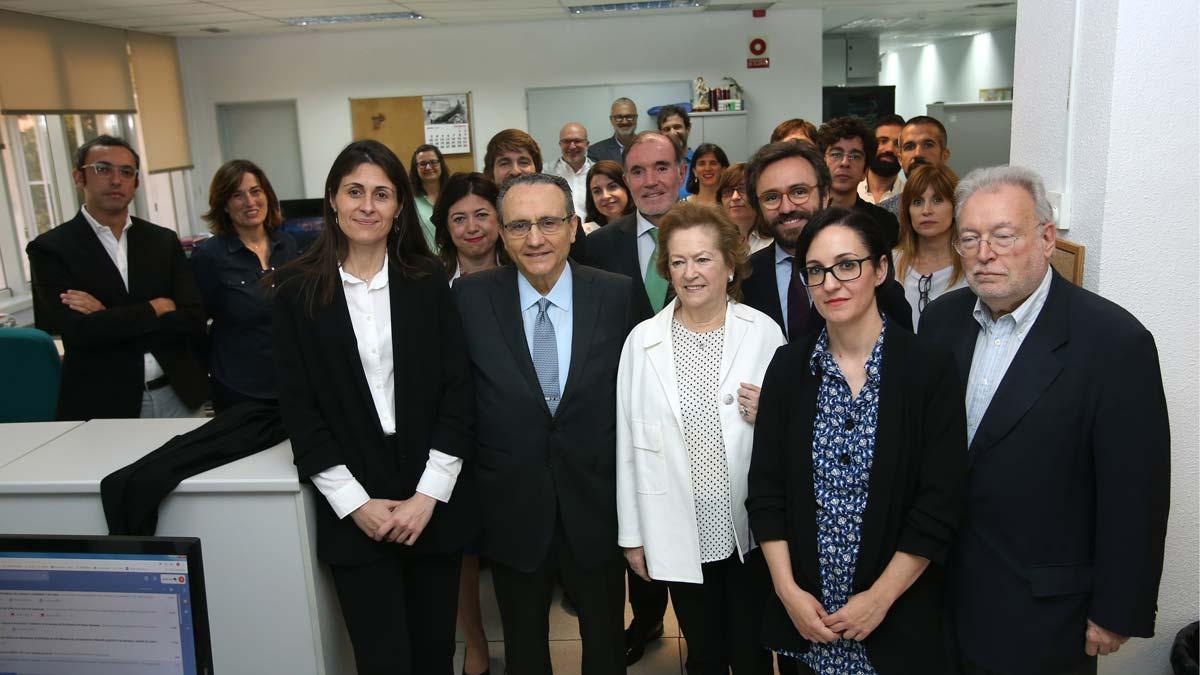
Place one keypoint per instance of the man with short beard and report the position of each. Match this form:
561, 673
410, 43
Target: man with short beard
623, 117
883, 171
922, 141
786, 184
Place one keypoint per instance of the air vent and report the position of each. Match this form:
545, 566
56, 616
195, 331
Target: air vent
352, 18
646, 5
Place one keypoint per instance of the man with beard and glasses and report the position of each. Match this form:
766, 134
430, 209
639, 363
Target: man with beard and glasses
623, 117
847, 143
786, 184
883, 170
922, 141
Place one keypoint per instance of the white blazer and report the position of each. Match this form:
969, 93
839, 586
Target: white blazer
655, 507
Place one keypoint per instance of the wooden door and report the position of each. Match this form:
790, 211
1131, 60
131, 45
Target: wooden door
399, 123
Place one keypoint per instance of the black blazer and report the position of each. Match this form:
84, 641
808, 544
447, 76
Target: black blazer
608, 148
916, 489
614, 248
103, 369
330, 417
1069, 483
762, 293
535, 469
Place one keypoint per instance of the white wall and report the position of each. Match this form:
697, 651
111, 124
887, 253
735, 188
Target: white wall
1092, 101
496, 62
952, 71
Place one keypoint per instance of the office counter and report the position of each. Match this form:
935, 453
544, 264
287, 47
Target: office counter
271, 607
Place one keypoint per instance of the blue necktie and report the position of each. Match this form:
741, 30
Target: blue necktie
545, 355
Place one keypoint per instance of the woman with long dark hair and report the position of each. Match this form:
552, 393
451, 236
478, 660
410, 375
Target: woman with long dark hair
704, 173
607, 196
429, 174
467, 225
377, 397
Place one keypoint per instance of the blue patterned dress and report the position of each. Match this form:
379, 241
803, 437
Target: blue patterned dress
843, 450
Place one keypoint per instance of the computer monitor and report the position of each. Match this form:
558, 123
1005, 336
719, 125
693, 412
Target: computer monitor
103, 606
303, 219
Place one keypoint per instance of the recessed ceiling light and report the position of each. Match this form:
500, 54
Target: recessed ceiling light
636, 6
351, 18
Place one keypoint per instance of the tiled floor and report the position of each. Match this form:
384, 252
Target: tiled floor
663, 657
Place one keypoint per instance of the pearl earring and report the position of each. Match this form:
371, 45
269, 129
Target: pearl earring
731, 278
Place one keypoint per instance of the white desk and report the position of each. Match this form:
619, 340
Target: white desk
271, 606
18, 440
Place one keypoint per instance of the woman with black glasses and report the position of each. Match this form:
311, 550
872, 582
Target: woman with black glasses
856, 526
926, 263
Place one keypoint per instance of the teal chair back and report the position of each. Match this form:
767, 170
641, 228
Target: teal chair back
31, 372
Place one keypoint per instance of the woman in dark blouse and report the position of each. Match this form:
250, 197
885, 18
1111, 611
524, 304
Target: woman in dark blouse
243, 213
856, 502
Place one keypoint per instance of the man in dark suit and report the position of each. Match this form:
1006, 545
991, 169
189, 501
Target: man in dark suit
628, 245
623, 116
786, 183
120, 293
545, 338
1061, 552
847, 144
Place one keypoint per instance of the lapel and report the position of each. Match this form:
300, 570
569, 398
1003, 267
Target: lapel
335, 329
1033, 369
403, 341
94, 253
506, 306
964, 342
142, 260
802, 467
737, 325
763, 277
660, 354
888, 448
585, 307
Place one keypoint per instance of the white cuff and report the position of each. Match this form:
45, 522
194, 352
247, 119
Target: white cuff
343, 492
440, 475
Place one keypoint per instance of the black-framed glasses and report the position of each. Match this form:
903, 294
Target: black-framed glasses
105, 169
729, 192
622, 118
924, 286
798, 195
428, 164
843, 270
547, 225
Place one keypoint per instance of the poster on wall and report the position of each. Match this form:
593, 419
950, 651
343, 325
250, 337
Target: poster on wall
447, 123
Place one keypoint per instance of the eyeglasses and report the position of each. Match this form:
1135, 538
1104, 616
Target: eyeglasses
105, 169
572, 141
837, 156
924, 286
547, 225
428, 164
845, 270
728, 193
622, 118
798, 195
1000, 244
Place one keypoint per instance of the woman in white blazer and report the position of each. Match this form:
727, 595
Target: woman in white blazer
687, 396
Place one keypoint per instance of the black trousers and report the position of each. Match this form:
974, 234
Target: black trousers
1088, 667
597, 592
400, 613
720, 617
648, 600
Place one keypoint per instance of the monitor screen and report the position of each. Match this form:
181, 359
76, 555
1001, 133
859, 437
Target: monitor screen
102, 606
303, 219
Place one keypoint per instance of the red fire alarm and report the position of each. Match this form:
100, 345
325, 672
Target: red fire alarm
758, 46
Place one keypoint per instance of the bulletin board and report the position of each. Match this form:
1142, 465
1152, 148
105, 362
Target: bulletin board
399, 123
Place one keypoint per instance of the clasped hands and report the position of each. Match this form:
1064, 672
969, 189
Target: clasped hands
857, 619
395, 521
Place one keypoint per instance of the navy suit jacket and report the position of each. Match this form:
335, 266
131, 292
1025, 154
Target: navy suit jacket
1068, 485
608, 148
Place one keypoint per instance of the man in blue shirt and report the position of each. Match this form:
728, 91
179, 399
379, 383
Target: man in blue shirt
675, 122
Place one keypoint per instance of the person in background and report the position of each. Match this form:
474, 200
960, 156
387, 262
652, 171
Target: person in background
511, 152
243, 214
623, 117
884, 178
847, 143
607, 196
858, 472
381, 415
574, 164
1069, 444
429, 175
675, 122
544, 336
130, 345
922, 141
708, 161
731, 194
795, 129
926, 262
683, 449
468, 226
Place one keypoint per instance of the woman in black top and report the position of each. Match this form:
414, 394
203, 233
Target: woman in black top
243, 213
857, 474
377, 397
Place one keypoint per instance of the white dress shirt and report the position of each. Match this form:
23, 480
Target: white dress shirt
864, 190
577, 180
370, 306
118, 252
995, 346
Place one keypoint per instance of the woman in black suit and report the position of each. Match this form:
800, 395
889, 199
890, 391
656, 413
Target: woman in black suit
857, 475
376, 395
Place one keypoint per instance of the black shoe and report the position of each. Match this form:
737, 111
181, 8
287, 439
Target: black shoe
636, 640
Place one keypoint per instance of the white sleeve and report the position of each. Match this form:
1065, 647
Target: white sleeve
341, 489
440, 475
629, 534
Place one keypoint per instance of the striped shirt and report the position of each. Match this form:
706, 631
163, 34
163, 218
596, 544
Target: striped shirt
995, 346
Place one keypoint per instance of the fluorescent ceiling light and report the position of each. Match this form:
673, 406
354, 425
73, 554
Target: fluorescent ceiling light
874, 23
636, 6
350, 18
